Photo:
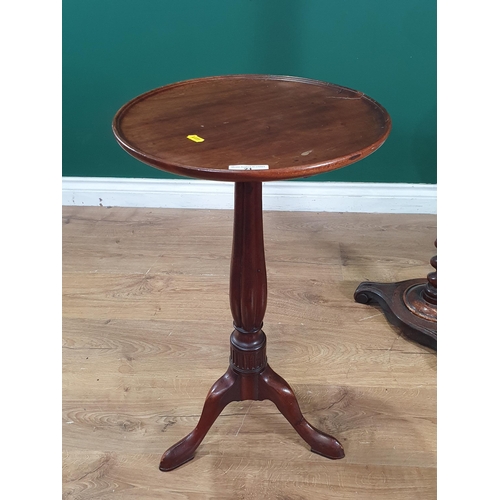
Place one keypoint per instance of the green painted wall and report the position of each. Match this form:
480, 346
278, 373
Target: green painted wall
114, 50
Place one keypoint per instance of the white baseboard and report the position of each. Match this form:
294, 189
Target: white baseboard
280, 195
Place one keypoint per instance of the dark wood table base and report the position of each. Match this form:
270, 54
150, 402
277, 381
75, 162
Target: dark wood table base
249, 377
241, 383
410, 305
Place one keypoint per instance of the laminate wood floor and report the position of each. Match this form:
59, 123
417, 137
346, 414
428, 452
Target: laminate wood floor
146, 325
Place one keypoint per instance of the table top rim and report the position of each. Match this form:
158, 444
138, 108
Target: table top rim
282, 173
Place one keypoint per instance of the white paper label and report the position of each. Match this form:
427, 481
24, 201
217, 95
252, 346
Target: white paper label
248, 167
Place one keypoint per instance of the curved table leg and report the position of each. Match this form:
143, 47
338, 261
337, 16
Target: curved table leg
410, 305
275, 388
223, 392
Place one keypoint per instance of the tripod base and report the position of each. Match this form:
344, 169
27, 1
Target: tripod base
235, 385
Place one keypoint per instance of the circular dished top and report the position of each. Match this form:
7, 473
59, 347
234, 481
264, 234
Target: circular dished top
251, 127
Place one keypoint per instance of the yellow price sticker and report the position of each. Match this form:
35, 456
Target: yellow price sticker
195, 138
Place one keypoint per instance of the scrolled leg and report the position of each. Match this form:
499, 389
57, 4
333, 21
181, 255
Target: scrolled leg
411, 305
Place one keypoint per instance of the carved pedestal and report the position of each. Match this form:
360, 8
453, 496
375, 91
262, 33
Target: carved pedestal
249, 377
411, 305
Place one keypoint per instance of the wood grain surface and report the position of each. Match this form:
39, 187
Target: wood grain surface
139, 359
297, 127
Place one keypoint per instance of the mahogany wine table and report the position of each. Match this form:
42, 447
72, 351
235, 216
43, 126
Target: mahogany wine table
248, 129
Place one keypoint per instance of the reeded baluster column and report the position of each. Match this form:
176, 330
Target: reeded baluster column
248, 281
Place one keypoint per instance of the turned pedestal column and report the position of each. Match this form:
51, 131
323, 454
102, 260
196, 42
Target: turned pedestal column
249, 376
